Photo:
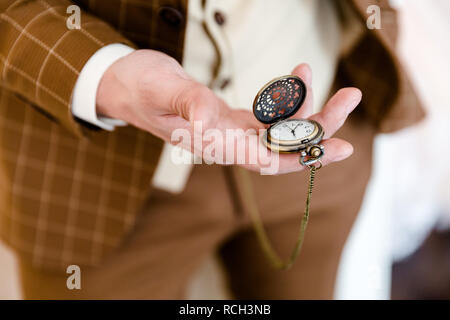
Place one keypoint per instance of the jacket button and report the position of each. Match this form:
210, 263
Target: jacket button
171, 16
219, 17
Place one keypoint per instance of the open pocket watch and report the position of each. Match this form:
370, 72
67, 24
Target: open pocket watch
278, 100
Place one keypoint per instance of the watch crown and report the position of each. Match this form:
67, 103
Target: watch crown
315, 151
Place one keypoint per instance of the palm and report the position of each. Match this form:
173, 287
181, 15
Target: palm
151, 91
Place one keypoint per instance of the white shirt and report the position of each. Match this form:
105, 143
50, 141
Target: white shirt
260, 40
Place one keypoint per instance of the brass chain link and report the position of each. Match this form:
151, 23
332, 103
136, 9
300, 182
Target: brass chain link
261, 234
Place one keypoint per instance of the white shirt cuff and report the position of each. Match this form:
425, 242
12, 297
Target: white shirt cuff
85, 90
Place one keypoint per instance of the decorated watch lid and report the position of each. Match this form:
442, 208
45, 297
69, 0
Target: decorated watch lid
279, 99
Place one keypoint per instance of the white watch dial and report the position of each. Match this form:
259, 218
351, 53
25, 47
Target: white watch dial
291, 129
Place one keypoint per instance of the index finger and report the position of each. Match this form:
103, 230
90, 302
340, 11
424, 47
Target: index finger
335, 112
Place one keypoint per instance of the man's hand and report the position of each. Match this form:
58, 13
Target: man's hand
150, 90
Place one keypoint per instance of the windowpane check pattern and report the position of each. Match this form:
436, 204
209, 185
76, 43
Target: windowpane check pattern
69, 193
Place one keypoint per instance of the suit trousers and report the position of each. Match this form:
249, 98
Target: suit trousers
175, 233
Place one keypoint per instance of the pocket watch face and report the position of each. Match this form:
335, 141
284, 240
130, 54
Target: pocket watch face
292, 130
293, 135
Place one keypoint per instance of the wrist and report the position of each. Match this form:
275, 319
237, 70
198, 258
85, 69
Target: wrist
86, 89
112, 95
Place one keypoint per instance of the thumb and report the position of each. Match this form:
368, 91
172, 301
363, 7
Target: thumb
198, 103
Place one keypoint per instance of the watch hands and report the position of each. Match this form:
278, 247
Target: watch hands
293, 130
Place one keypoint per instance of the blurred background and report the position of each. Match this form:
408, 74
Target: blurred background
400, 245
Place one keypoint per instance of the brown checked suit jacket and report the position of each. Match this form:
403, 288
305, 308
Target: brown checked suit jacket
70, 192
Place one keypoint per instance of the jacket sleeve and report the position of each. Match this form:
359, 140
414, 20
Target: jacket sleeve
41, 57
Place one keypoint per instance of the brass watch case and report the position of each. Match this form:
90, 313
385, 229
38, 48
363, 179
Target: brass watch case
293, 146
